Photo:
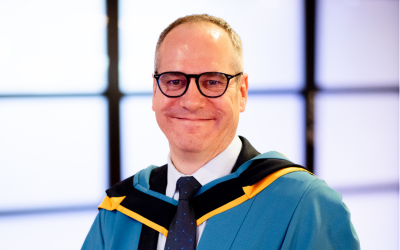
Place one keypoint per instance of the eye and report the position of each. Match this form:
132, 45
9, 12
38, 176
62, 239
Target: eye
175, 82
213, 82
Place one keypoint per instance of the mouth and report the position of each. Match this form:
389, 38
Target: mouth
192, 119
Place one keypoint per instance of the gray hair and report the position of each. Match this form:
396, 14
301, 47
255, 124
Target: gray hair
237, 58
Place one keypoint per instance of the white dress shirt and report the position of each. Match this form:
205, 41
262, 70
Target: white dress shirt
218, 167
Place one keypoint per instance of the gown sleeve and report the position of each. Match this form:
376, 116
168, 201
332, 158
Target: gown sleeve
94, 240
321, 221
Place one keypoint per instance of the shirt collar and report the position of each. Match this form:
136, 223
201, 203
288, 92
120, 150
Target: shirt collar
218, 167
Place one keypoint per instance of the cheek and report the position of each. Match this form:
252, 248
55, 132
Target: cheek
161, 105
228, 110
157, 108
160, 102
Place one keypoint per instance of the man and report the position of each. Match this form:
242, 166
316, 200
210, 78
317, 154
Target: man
231, 196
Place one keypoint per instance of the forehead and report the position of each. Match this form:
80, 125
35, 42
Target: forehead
198, 47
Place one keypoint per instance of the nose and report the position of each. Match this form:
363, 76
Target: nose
192, 99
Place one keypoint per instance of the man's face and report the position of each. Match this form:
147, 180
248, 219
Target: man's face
194, 123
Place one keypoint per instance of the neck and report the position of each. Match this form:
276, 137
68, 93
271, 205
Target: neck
189, 162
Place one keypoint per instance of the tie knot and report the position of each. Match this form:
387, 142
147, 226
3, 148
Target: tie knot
187, 187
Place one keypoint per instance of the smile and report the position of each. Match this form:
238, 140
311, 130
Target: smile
192, 119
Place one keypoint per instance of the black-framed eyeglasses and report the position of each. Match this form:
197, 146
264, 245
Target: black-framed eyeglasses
210, 84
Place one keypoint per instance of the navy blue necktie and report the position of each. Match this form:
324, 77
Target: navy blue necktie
182, 231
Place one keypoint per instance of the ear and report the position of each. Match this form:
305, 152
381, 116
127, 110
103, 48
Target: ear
243, 89
154, 92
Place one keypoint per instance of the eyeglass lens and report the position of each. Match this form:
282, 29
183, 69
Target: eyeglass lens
211, 84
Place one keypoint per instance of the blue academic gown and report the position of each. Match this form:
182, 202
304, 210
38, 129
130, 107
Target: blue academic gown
288, 209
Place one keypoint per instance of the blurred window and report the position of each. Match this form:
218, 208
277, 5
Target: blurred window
357, 43
50, 149
53, 121
52, 47
357, 112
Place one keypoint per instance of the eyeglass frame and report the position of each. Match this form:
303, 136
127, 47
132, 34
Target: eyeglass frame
196, 77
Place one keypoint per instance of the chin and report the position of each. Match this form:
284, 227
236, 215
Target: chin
190, 144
